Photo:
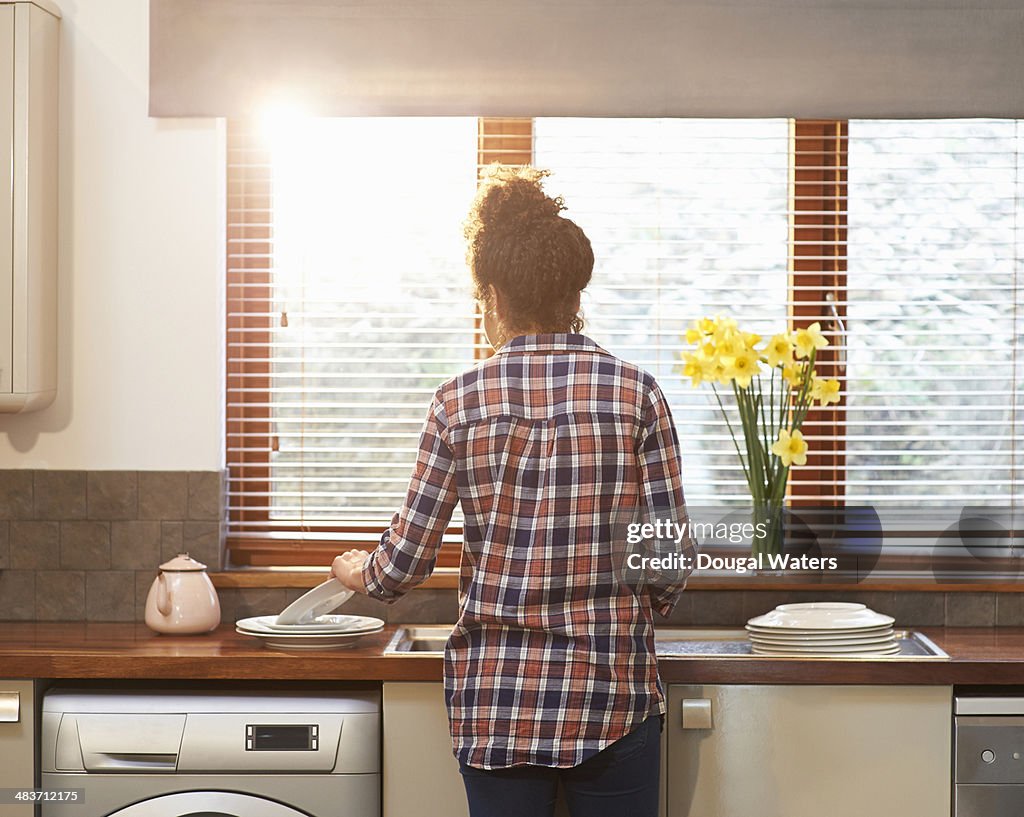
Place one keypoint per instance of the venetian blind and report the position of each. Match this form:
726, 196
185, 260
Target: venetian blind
933, 325
687, 218
348, 304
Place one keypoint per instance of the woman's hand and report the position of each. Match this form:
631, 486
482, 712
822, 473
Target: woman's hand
348, 569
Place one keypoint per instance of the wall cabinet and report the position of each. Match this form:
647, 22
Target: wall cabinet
28, 205
17, 742
804, 751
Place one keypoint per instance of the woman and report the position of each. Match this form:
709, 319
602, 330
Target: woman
551, 446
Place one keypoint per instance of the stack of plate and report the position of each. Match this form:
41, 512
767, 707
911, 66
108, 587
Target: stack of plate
305, 624
822, 628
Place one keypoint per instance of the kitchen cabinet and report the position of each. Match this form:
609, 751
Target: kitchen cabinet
17, 742
28, 205
421, 775
802, 751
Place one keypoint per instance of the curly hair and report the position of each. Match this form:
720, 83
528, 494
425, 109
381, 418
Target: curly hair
518, 242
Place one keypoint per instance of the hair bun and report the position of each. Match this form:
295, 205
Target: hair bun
512, 198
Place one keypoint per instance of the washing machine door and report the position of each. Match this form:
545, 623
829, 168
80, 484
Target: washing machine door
208, 804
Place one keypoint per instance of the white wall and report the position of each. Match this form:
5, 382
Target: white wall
141, 269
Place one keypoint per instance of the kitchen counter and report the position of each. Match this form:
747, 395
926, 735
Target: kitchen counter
982, 655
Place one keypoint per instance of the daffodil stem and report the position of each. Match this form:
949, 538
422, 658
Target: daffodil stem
764, 435
732, 433
748, 417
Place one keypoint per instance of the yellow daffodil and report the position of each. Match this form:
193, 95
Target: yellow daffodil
809, 339
751, 340
693, 368
693, 335
725, 331
725, 324
825, 391
730, 346
741, 367
793, 374
779, 350
790, 448
706, 325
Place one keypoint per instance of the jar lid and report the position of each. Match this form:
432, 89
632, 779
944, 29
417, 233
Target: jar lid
182, 562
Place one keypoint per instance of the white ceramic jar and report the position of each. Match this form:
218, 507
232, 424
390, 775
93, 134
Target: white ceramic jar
182, 599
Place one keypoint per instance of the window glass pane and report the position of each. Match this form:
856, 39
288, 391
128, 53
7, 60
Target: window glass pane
687, 218
370, 272
933, 328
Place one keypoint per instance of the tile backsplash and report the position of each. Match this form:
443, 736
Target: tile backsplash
86, 544
80, 545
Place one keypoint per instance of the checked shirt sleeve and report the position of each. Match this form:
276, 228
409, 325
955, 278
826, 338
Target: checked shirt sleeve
662, 491
408, 549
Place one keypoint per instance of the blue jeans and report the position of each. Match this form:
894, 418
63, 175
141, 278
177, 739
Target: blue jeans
622, 779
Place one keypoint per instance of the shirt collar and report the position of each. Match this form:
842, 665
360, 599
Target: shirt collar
562, 342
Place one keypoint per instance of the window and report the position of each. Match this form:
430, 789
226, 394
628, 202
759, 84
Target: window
349, 302
933, 329
687, 218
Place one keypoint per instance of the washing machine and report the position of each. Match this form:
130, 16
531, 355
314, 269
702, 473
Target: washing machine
167, 753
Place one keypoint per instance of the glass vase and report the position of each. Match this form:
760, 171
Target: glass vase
768, 537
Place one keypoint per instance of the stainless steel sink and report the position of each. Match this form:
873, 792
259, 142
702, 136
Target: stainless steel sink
687, 642
427, 641
681, 642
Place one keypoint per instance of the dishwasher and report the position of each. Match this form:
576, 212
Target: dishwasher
988, 773
152, 753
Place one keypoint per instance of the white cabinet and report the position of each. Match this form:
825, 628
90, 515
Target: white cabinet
770, 751
17, 742
28, 205
805, 751
421, 775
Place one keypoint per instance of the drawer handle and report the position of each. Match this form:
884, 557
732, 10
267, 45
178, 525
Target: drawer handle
10, 707
697, 713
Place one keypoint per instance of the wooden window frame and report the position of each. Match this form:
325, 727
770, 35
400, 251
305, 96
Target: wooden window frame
819, 151
817, 260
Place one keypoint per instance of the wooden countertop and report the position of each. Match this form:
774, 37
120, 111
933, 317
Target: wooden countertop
983, 656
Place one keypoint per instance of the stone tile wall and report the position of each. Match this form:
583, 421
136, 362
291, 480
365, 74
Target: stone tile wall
86, 545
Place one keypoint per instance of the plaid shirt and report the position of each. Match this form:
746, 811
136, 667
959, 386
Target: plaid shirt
551, 446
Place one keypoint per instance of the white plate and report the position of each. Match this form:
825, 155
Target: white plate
810, 635
827, 615
822, 643
783, 632
366, 624
894, 647
831, 606
309, 642
320, 600
323, 624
